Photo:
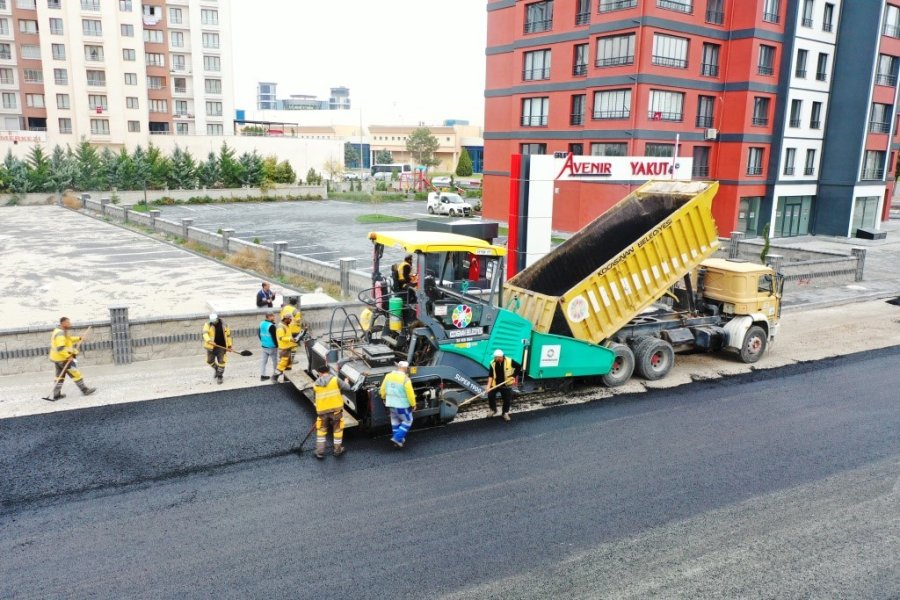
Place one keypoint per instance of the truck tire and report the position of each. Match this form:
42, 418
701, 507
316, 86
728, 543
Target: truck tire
653, 358
754, 345
622, 367
430, 210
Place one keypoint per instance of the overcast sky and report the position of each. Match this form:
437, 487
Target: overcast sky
403, 60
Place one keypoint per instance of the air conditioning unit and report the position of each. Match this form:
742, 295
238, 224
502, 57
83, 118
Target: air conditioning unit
711, 134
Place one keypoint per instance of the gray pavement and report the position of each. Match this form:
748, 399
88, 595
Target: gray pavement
776, 484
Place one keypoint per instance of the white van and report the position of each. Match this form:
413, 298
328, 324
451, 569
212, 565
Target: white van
446, 203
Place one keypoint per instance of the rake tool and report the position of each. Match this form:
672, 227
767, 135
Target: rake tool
49, 397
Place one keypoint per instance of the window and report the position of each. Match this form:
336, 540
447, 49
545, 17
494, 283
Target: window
770, 11
56, 26
175, 16
155, 59
610, 5
766, 60
91, 27
755, 161
132, 102
615, 50
131, 79
155, 82
127, 30
129, 54
125, 5
153, 36
576, 115
9, 100
134, 126
53, 4
683, 6
159, 106
609, 149
65, 125
5, 51
760, 111
93, 53
807, 13
34, 100
99, 126
576, 149
27, 26
58, 51
800, 68
180, 85
7, 77
33, 75
669, 51
666, 106
583, 12
216, 129
822, 67
537, 65
828, 17
579, 60
96, 78
176, 39
209, 17
810, 168
887, 67
178, 62
705, 108
881, 118
701, 162
211, 40
26, 4
30, 51
659, 150
213, 86
96, 101
181, 107
790, 156
533, 148
534, 111
93, 5
539, 16
214, 109
4, 26
715, 12
891, 21
212, 63
710, 61
612, 104
182, 128
815, 116
796, 109
873, 166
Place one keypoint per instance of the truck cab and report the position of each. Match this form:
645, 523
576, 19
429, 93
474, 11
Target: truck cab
742, 288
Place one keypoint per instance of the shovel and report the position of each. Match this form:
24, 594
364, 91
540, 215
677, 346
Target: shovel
242, 352
62, 375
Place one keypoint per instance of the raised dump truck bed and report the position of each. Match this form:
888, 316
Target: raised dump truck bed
621, 263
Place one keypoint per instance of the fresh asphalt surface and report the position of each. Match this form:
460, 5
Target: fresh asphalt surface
775, 484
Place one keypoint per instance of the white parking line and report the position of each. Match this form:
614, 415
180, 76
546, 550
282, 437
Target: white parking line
325, 252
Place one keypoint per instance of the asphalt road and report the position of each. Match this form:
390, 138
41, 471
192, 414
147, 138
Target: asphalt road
779, 483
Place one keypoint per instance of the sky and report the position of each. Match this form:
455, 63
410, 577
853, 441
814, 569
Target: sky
405, 61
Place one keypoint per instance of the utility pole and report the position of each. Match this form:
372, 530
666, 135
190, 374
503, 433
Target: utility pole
360, 149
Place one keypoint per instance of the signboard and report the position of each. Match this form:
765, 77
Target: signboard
35, 137
469, 332
623, 168
550, 355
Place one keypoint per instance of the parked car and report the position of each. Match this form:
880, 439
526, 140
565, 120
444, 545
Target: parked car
448, 204
440, 181
350, 175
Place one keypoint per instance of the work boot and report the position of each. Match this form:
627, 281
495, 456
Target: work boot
263, 377
397, 443
219, 379
87, 391
276, 376
320, 455
338, 450
493, 412
56, 397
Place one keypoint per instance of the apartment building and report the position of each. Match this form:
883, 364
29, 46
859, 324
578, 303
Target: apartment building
114, 71
789, 104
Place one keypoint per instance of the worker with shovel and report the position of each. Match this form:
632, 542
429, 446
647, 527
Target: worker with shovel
217, 341
329, 410
63, 353
285, 340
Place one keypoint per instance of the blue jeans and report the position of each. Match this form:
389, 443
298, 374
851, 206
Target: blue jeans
268, 354
401, 422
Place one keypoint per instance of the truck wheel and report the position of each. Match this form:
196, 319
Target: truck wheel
653, 358
430, 210
754, 345
622, 367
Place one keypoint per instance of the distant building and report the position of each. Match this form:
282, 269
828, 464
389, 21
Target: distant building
266, 96
267, 99
340, 99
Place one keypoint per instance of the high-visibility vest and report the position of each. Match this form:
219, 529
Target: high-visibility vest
62, 345
328, 396
265, 335
397, 390
209, 335
508, 371
283, 337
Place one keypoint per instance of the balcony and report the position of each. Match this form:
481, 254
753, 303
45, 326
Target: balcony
760, 121
656, 115
765, 70
821, 76
700, 171
538, 26
180, 90
789, 170
7, 80
704, 121
156, 86
809, 171
531, 121
180, 69
682, 7
891, 30
875, 174
888, 80
754, 170
620, 5
579, 70
879, 127
535, 74
771, 17
576, 119
800, 73
612, 114
183, 117
666, 61
795, 123
709, 70
715, 17
615, 61
807, 22
827, 27
582, 18
96, 82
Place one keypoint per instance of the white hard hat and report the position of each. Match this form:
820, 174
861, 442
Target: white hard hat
498, 353
403, 364
213, 317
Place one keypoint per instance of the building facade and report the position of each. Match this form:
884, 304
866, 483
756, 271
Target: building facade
789, 104
267, 99
114, 71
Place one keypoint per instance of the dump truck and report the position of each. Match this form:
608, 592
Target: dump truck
621, 296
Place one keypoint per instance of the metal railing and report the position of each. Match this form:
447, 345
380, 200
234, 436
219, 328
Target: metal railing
620, 5
709, 70
891, 31
815, 124
582, 18
789, 170
715, 17
704, 121
534, 121
700, 171
576, 119
615, 61
807, 22
657, 115
795, 123
879, 127
769, 17
809, 171
820, 76
827, 27
765, 70
760, 121
611, 114
538, 26
800, 73
872, 174
535, 74
753, 170
682, 7
665, 61
579, 70
888, 80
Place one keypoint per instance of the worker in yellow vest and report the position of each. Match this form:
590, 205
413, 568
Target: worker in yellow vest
63, 354
501, 378
285, 341
217, 341
329, 410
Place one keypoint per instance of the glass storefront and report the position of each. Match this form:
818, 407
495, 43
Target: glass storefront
792, 215
864, 213
748, 216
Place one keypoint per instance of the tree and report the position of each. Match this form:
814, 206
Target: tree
422, 146
464, 166
16, 174
250, 171
160, 166
208, 172
183, 174
89, 175
334, 168
124, 171
229, 169
270, 168
38, 170
108, 168
351, 156
141, 170
313, 178
285, 173
62, 170
384, 157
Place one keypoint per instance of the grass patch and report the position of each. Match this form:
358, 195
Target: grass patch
140, 207
366, 197
251, 259
71, 202
305, 284
380, 219
199, 248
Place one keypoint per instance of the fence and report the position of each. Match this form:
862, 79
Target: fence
135, 196
121, 340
